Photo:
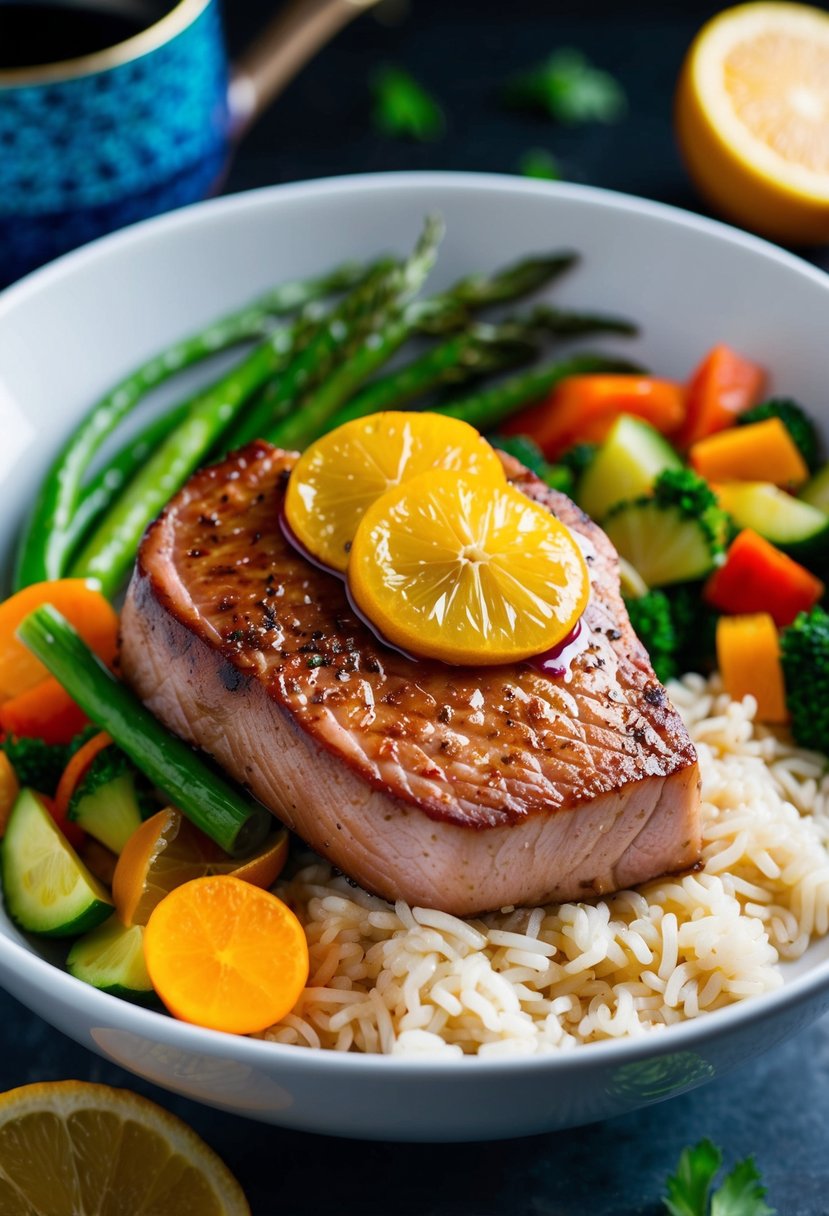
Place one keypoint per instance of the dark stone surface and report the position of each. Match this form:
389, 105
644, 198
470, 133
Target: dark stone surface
777, 1108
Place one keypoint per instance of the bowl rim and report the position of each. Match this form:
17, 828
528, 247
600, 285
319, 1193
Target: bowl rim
107, 1011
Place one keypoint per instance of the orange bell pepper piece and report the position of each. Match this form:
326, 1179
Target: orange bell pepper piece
583, 409
763, 451
90, 612
757, 577
748, 656
722, 387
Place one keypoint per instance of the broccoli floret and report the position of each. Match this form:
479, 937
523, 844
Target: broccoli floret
796, 421
579, 458
694, 499
650, 616
111, 799
695, 623
805, 656
529, 453
36, 764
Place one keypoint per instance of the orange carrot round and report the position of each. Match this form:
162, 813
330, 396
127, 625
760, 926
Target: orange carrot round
45, 711
227, 955
76, 770
90, 612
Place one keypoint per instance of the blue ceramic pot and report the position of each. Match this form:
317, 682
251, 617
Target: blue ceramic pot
97, 142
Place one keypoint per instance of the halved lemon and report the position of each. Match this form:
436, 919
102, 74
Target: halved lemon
462, 570
752, 118
337, 478
68, 1148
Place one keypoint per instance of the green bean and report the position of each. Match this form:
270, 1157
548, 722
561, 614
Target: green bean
234, 821
45, 542
108, 554
102, 490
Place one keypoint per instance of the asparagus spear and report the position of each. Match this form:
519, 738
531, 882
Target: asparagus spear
101, 491
44, 545
490, 406
441, 314
109, 552
478, 351
355, 332
220, 809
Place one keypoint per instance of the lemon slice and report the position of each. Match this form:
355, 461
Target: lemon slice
337, 478
68, 1148
752, 116
462, 570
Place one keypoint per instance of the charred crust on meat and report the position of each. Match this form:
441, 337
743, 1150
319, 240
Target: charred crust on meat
231, 677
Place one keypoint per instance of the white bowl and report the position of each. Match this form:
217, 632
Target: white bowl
70, 330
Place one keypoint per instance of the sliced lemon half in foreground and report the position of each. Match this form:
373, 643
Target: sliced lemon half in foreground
337, 478
68, 1148
458, 569
752, 116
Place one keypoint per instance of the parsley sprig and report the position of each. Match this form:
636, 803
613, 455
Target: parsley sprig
568, 88
689, 1193
403, 108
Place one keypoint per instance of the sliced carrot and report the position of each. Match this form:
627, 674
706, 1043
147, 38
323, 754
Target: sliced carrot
757, 577
44, 712
76, 769
227, 955
722, 387
584, 408
9, 789
90, 612
167, 850
763, 451
748, 656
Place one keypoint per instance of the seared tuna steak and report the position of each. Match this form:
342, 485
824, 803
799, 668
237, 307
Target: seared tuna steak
449, 787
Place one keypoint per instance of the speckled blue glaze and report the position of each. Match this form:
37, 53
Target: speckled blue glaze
85, 155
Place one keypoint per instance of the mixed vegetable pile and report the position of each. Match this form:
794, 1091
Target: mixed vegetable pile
717, 502
120, 837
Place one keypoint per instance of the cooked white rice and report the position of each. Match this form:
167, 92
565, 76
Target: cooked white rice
411, 980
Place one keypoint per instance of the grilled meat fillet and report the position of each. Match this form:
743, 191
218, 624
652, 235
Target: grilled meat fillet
452, 788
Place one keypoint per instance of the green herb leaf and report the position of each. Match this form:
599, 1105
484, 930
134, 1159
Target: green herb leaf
569, 89
403, 108
742, 1193
541, 164
688, 1189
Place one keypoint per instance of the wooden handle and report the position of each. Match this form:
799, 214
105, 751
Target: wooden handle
283, 48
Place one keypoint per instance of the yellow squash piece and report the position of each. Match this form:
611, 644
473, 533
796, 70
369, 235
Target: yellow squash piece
752, 117
748, 656
461, 570
338, 478
74, 1149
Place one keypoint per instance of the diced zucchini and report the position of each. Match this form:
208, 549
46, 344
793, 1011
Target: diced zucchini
109, 812
661, 543
111, 958
625, 466
799, 528
816, 490
46, 886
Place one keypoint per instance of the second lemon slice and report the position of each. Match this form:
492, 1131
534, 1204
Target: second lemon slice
341, 475
465, 571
